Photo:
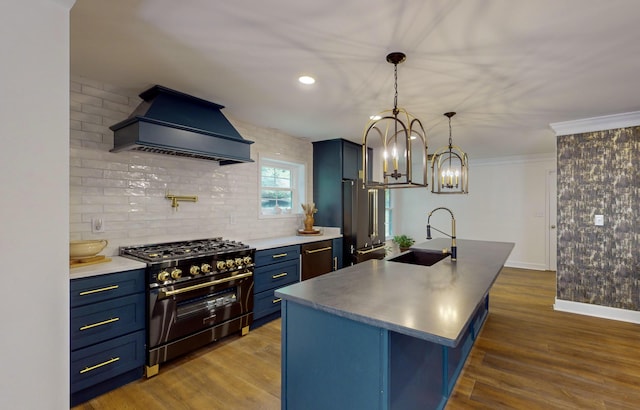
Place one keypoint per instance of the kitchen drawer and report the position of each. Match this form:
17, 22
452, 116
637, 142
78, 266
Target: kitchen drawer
265, 303
105, 320
100, 362
104, 287
276, 275
281, 254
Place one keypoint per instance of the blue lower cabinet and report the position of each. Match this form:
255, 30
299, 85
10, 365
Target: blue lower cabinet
94, 323
274, 269
107, 325
265, 303
106, 360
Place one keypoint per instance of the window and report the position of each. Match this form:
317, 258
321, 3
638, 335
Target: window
281, 187
388, 213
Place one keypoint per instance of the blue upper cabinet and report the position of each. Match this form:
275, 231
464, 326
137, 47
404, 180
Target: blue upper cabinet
334, 161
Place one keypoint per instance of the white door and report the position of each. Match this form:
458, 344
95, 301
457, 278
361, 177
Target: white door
552, 230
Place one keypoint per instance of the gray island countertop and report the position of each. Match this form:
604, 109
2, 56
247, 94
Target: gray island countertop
433, 303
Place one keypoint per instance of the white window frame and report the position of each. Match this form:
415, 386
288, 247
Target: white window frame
298, 178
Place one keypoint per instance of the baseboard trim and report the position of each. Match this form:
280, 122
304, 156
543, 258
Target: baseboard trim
525, 265
604, 312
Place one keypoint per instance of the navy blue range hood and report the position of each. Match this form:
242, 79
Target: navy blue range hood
173, 123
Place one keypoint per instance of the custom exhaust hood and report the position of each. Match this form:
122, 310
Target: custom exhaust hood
173, 123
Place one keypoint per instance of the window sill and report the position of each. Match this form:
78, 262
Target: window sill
278, 216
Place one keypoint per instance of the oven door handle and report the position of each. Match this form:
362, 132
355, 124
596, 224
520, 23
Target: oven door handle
166, 293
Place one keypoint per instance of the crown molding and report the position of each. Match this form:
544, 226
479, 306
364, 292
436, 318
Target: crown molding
515, 159
606, 122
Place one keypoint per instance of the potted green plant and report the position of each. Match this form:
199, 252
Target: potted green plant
403, 241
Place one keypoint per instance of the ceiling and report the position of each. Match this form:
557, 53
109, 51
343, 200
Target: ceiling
508, 68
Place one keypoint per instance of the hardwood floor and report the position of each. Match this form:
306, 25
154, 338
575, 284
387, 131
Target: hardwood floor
528, 356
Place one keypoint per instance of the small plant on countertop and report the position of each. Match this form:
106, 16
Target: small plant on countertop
403, 241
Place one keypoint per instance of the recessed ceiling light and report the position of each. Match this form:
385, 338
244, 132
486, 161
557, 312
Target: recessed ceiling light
307, 80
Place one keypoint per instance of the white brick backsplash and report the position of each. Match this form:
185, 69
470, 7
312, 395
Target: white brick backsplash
85, 135
86, 118
119, 111
98, 128
78, 97
128, 189
85, 172
105, 95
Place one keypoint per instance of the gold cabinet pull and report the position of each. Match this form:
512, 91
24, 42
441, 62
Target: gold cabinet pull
104, 322
335, 263
280, 255
280, 275
328, 248
97, 366
89, 292
278, 300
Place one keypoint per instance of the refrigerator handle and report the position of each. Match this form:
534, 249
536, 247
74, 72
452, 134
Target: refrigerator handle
373, 213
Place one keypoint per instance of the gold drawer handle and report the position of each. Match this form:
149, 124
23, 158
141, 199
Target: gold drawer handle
274, 301
88, 369
280, 275
328, 248
89, 292
104, 322
280, 255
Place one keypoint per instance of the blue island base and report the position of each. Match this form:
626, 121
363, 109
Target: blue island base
333, 362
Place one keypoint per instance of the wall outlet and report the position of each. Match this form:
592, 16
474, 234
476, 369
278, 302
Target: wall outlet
97, 225
598, 220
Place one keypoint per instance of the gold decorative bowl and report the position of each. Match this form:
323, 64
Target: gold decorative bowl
86, 249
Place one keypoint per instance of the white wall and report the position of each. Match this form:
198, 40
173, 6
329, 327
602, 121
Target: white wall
507, 202
34, 226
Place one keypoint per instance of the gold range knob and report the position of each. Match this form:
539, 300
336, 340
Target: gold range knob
238, 261
176, 273
220, 265
230, 263
163, 276
247, 260
194, 270
205, 268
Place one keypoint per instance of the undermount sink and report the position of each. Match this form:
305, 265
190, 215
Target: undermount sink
420, 257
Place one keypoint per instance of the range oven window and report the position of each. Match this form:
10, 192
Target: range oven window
209, 303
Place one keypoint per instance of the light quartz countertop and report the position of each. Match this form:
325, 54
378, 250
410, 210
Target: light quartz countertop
268, 243
121, 264
117, 264
433, 303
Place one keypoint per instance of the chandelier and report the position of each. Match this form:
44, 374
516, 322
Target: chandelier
449, 168
394, 145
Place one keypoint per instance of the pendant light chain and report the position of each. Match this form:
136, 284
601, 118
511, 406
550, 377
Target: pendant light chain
395, 85
450, 139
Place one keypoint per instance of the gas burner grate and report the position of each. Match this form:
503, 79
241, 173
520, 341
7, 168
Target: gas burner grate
182, 249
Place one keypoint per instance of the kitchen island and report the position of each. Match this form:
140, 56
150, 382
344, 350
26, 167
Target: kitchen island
384, 334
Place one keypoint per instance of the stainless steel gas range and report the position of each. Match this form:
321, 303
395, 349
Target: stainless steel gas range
197, 292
